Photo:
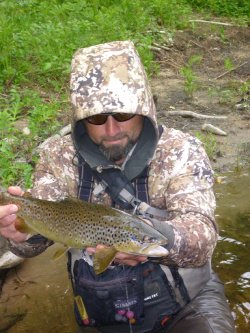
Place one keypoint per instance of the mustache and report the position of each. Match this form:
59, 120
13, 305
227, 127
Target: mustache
114, 137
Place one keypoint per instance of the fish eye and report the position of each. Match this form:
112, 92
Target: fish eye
148, 239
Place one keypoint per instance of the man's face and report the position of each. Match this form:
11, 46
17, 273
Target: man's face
114, 138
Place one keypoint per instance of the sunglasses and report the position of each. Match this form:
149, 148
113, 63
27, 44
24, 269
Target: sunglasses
100, 119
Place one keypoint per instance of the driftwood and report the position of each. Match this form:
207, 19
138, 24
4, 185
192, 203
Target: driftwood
192, 114
231, 70
154, 48
64, 131
212, 129
215, 22
162, 47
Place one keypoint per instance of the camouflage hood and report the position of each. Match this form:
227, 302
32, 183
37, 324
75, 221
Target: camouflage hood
110, 78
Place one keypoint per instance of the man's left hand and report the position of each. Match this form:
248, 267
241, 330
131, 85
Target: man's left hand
121, 257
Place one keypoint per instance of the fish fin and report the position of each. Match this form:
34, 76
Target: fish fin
60, 252
103, 258
27, 195
21, 226
71, 199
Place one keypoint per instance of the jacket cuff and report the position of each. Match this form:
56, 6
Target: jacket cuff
166, 230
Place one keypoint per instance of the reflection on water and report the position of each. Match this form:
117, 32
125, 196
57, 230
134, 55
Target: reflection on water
37, 296
231, 258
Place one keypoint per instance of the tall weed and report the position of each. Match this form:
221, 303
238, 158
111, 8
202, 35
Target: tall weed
37, 41
232, 8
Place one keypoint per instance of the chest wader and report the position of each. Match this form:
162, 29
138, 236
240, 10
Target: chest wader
141, 296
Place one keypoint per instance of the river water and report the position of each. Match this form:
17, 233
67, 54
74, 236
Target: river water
37, 295
232, 255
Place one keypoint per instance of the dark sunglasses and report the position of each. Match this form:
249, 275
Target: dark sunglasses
100, 119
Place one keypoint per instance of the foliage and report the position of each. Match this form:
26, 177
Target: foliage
187, 71
228, 64
209, 142
232, 8
37, 41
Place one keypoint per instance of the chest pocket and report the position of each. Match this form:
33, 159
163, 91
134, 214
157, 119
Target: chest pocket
139, 295
115, 296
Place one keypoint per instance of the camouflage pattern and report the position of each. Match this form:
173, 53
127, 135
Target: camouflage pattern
180, 175
180, 180
109, 78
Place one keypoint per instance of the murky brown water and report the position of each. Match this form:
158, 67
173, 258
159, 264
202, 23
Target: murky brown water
37, 295
232, 255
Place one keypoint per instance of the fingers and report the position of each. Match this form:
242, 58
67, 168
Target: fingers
92, 250
9, 231
129, 259
5, 212
15, 190
121, 257
8, 218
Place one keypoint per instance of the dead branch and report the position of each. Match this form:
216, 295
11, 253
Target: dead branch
154, 48
162, 47
213, 129
192, 114
215, 22
156, 31
231, 70
64, 131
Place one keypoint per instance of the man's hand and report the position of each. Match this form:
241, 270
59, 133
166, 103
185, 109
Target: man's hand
121, 257
8, 219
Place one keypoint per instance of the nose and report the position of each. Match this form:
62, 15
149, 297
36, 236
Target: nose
112, 126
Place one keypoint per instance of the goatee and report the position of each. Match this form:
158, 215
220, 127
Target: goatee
116, 153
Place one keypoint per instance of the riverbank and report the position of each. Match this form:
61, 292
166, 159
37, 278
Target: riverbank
207, 71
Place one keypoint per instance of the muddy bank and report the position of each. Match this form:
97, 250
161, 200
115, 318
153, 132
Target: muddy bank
217, 84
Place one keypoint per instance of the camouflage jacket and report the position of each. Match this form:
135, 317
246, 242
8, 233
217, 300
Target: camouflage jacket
110, 78
180, 180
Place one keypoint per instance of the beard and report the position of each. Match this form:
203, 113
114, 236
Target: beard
116, 153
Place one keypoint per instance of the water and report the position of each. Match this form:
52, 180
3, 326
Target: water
231, 258
37, 296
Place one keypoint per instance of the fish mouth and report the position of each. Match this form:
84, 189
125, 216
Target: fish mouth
153, 250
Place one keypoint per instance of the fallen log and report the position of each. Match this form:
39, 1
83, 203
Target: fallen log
213, 129
192, 114
215, 22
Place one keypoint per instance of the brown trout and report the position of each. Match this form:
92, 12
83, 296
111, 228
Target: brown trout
79, 224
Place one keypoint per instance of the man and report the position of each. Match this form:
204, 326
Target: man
118, 156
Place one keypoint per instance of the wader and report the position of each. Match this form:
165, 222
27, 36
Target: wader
161, 298
208, 312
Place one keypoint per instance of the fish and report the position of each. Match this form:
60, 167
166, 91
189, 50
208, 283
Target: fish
80, 224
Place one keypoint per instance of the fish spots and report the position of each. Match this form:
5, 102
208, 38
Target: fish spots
80, 224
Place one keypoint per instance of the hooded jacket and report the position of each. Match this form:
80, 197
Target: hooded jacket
110, 78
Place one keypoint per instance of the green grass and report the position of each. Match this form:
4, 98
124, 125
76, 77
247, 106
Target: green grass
190, 78
230, 8
209, 142
37, 41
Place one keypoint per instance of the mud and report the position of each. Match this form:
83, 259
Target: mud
217, 89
